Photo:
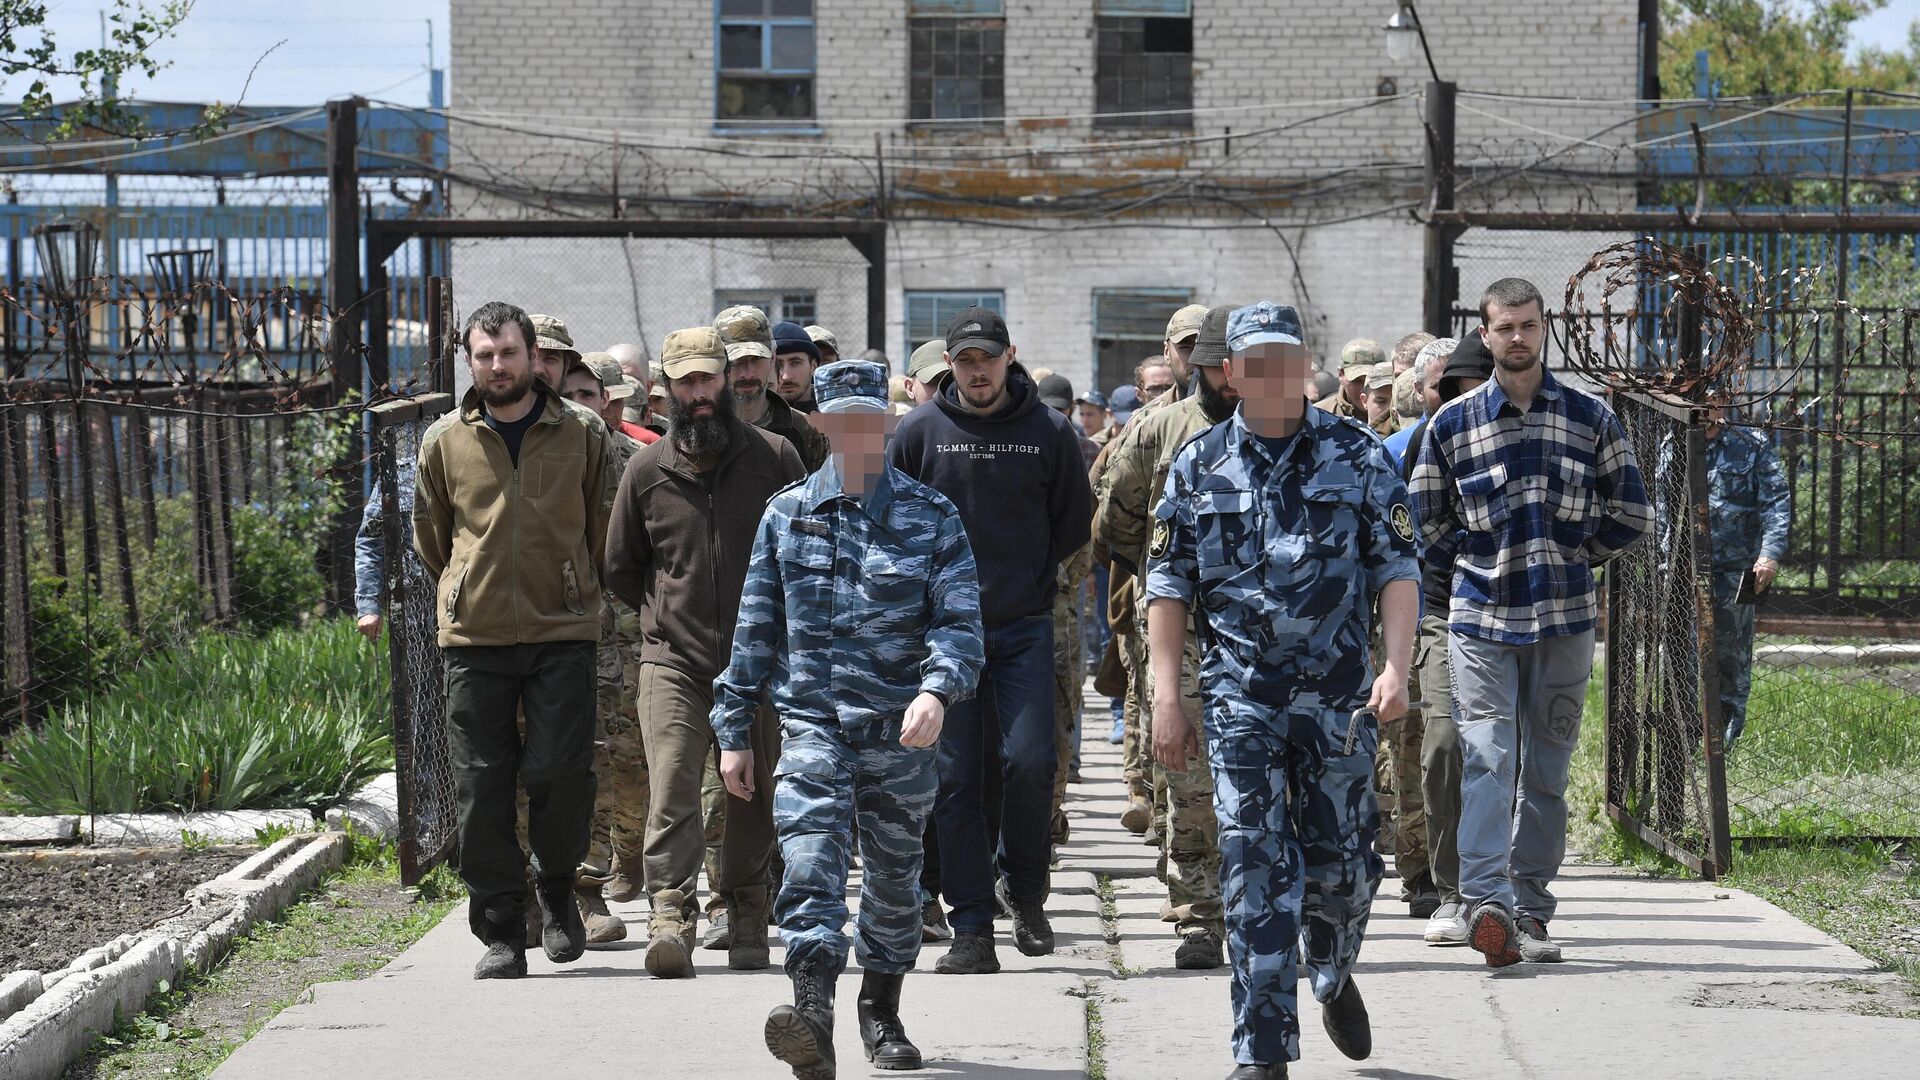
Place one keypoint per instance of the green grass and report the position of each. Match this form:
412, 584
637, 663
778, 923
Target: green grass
296, 718
350, 926
1096, 1036
1826, 753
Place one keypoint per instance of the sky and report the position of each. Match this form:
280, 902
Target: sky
378, 48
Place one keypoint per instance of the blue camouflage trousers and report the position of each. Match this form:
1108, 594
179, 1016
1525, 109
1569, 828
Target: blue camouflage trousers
1298, 817
828, 783
1732, 649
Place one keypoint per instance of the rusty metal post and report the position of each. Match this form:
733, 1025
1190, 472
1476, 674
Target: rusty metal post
117, 522
55, 504
16, 601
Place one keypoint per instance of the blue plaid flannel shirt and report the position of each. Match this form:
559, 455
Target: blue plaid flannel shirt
1523, 505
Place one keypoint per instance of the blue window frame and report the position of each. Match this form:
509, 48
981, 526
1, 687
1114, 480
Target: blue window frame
929, 312
763, 61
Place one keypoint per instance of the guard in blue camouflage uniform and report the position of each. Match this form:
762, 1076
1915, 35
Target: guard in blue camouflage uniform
1748, 509
1283, 524
861, 614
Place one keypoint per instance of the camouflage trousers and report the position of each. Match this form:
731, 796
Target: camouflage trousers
1297, 821
831, 785
1733, 626
1069, 672
1183, 808
1440, 763
1134, 753
1402, 741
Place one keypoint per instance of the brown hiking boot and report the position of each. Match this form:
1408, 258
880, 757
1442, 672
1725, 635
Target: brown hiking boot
1138, 814
669, 948
622, 889
603, 927
747, 950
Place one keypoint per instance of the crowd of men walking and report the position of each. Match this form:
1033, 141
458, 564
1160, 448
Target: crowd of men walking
768, 609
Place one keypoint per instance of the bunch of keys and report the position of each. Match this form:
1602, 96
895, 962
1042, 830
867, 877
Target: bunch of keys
1353, 722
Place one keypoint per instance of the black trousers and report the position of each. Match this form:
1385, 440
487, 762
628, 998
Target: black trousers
487, 686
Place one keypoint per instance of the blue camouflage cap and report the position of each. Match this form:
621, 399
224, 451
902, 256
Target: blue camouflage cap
1264, 323
850, 386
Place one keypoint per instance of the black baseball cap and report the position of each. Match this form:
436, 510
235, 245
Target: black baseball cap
977, 328
1210, 348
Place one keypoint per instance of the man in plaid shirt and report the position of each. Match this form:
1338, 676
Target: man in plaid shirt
1523, 486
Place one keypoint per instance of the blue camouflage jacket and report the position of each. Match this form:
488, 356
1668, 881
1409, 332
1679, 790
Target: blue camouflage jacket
370, 542
1284, 554
1748, 502
852, 608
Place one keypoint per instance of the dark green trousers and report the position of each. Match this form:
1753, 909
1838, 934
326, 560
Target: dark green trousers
487, 685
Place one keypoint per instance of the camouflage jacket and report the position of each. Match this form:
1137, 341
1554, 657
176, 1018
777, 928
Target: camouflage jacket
1283, 553
1137, 474
1749, 505
852, 608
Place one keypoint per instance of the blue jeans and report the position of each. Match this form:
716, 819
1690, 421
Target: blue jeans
1518, 711
1013, 706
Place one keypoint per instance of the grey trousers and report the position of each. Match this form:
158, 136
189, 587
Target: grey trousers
1517, 708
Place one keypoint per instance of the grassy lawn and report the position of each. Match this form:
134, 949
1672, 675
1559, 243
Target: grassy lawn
1846, 748
348, 927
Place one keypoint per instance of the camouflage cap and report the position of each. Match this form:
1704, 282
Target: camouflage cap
1186, 322
657, 380
1406, 395
929, 361
695, 349
850, 386
1264, 323
823, 337
617, 383
1379, 375
1358, 354
551, 333
1210, 348
744, 331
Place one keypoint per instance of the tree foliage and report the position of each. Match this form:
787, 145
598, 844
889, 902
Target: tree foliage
30, 53
1771, 48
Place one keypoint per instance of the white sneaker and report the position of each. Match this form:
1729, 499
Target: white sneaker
1448, 925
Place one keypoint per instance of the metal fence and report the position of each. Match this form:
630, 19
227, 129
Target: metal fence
173, 475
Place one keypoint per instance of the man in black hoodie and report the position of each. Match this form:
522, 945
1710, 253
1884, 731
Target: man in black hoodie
1014, 470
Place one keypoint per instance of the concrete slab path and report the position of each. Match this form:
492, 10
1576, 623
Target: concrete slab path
1663, 978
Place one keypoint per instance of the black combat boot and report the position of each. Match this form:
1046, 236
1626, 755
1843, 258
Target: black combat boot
880, 1029
801, 1034
563, 933
506, 956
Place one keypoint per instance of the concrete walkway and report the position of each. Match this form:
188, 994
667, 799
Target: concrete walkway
1663, 979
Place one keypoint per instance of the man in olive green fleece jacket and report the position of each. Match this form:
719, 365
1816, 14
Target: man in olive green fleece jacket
510, 518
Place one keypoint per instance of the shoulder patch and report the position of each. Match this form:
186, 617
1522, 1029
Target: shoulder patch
1402, 520
1162, 535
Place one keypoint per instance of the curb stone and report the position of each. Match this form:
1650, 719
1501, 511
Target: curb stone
53, 1022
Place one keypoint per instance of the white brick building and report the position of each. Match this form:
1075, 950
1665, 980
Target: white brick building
1081, 224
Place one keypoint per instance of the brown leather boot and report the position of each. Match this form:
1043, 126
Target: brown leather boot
748, 915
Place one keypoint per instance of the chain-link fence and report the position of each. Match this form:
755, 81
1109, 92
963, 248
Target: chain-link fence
171, 582
1662, 767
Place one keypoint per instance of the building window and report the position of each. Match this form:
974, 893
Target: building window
1143, 64
928, 314
956, 59
1128, 326
763, 60
781, 305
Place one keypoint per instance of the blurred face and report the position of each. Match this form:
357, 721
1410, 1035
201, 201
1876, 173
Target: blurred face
1272, 380
1092, 418
1354, 389
500, 365
1379, 404
859, 439
1156, 380
549, 366
1716, 421
794, 374
1514, 335
583, 389
982, 378
748, 378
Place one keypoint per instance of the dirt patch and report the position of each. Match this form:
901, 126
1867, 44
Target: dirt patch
1872, 996
53, 910
349, 928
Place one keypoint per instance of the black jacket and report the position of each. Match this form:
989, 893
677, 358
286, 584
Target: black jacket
1019, 481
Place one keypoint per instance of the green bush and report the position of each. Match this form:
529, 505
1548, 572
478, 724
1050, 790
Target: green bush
78, 640
276, 579
294, 718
